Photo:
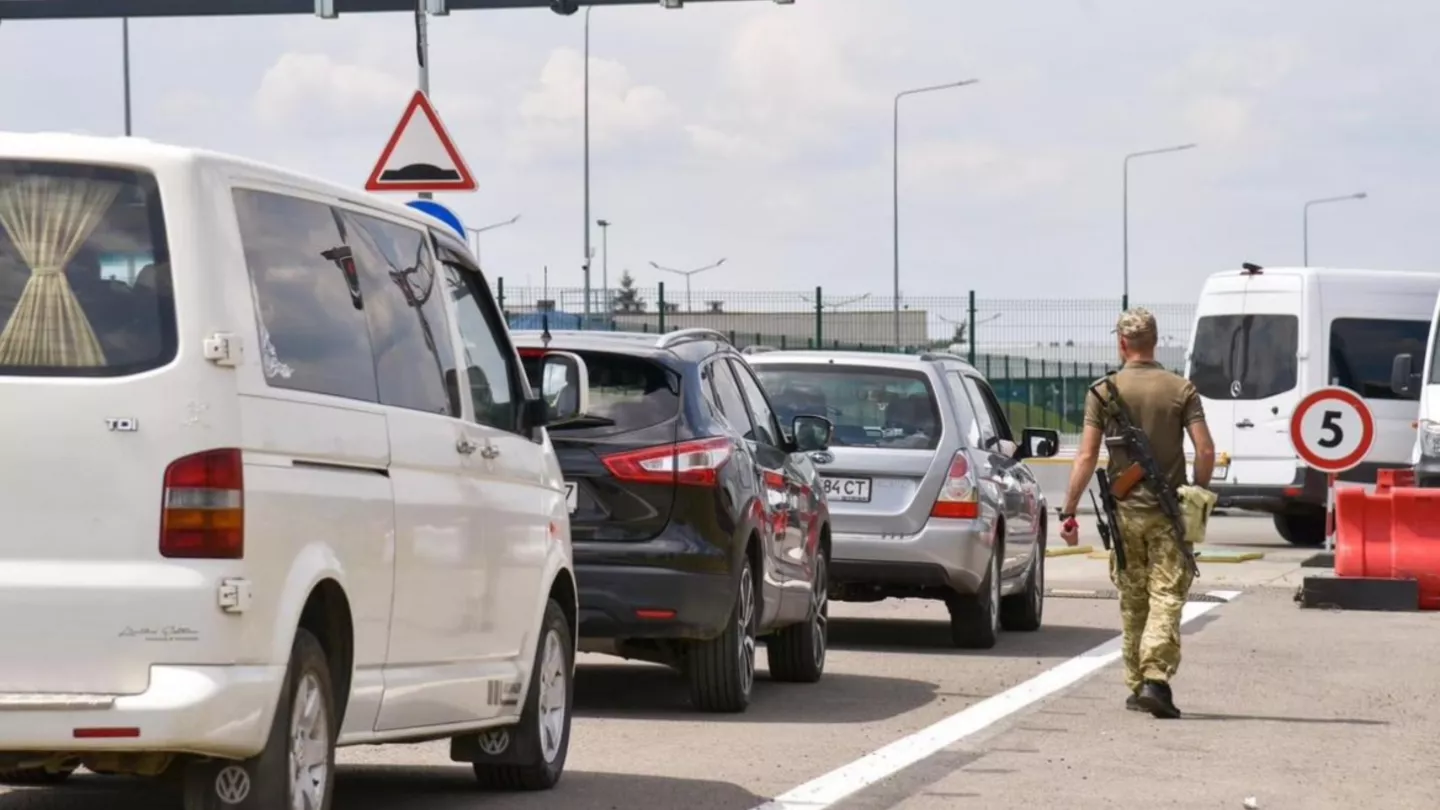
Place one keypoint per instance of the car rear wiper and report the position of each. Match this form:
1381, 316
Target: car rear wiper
585, 421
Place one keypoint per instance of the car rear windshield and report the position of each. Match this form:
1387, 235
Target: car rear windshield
84, 271
1245, 357
626, 392
870, 407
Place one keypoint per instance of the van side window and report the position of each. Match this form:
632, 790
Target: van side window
405, 308
1362, 351
492, 382
313, 335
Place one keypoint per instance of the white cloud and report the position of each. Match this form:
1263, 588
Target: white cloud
316, 92
552, 113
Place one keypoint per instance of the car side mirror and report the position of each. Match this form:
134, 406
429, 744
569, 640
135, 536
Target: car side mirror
564, 387
811, 433
1038, 443
1404, 379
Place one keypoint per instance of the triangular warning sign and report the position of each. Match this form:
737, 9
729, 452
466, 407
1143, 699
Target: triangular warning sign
420, 155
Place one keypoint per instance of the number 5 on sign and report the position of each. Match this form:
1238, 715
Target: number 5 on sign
1332, 429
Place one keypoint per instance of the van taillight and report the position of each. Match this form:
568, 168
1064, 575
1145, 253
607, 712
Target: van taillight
958, 495
696, 463
204, 507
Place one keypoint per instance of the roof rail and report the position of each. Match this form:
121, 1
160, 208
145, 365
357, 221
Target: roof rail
930, 356
685, 335
757, 349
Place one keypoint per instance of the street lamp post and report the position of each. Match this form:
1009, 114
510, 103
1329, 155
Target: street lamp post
688, 274
1125, 204
605, 264
478, 231
895, 190
125, 68
1306, 220
588, 251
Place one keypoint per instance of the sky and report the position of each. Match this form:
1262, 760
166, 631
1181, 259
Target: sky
761, 133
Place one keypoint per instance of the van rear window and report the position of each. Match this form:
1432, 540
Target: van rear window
84, 271
1245, 357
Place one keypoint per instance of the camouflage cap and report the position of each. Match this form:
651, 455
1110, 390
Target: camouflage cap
1134, 323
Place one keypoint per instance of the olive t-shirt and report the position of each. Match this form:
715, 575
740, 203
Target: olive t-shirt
1161, 403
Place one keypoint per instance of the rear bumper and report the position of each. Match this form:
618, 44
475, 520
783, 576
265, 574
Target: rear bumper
1427, 473
614, 597
1306, 492
946, 553
222, 711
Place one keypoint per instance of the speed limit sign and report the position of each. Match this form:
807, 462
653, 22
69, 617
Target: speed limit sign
1332, 429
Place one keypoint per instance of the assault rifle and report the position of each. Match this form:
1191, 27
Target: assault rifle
1143, 467
1108, 519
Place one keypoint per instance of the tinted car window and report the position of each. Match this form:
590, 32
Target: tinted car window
767, 429
313, 333
732, 402
403, 302
84, 272
870, 407
491, 388
1362, 352
1244, 357
626, 392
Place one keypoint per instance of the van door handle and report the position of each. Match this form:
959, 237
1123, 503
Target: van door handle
489, 451
465, 447
1244, 423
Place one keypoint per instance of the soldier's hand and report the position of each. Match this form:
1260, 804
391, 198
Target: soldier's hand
1070, 532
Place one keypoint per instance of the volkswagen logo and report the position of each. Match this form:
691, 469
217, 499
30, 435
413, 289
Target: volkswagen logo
232, 784
822, 457
1235, 388
495, 741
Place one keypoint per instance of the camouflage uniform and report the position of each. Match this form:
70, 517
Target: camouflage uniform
1156, 580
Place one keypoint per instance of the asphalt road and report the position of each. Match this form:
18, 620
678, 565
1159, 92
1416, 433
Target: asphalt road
891, 673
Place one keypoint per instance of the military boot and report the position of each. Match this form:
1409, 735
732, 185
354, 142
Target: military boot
1132, 703
1155, 697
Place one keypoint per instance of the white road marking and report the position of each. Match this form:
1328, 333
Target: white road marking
846, 780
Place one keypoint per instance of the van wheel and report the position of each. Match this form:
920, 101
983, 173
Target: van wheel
1025, 611
28, 777
975, 618
542, 738
797, 653
297, 768
1305, 530
722, 670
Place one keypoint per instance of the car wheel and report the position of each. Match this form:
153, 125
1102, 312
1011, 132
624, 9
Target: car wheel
722, 670
1025, 611
797, 653
296, 771
1303, 530
975, 618
34, 777
541, 740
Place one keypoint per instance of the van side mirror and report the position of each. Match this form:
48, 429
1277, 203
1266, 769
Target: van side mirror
564, 387
1038, 443
1404, 379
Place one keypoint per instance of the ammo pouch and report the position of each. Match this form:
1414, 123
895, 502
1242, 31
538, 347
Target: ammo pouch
1196, 504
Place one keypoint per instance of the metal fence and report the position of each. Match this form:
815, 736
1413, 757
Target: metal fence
1040, 355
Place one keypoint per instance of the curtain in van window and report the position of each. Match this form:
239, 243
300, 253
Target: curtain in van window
48, 219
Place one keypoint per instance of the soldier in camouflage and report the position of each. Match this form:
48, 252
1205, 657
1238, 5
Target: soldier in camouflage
1156, 580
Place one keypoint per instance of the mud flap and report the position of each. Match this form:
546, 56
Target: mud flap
501, 745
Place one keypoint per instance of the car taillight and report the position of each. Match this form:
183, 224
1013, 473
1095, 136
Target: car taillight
204, 507
695, 463
958, 496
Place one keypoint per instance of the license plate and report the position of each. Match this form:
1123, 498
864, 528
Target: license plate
854, 490
571, 501
1221, 470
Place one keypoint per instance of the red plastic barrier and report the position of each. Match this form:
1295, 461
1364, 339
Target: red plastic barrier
1391, 533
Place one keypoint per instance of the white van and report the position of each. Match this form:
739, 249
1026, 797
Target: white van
1413, 374
1265, 337
256, 499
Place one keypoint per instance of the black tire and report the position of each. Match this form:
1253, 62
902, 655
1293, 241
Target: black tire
542, 739
722, 670
34, 777
1305, 530
1025, 611
975, 618
265, 782
797, 653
